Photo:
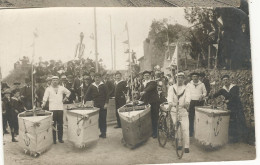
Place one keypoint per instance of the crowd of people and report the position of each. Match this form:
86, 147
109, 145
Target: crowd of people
78, 81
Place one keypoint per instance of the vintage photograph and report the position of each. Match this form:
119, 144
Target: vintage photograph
94, 85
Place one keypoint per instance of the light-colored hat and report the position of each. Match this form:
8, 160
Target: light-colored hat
63, 77
180, 74
54, 77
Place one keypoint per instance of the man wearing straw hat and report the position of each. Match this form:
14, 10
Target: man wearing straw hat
178, 95
54, 94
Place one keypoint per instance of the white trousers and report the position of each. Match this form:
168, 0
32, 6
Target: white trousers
184, 123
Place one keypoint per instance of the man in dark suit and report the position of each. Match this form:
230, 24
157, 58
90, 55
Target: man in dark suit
120, 91
99, 94
70, 86
26, 94
150, 96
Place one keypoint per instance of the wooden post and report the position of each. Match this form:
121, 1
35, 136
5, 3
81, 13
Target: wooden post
209, 57
111, 40
114, 52
96, 46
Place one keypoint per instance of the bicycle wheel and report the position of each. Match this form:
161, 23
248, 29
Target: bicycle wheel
162, 130
179, 142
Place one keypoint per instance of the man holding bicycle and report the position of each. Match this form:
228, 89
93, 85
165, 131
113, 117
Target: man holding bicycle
179, 97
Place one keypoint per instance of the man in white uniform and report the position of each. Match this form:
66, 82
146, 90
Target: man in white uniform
179, 96
54, 94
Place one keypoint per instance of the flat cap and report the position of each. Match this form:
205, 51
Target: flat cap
17, 83
225, 76
147, 72
194, 73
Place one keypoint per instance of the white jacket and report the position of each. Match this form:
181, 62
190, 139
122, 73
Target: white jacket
196, 90
55, 99
172, 98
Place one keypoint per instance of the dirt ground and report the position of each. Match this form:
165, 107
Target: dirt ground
112, 151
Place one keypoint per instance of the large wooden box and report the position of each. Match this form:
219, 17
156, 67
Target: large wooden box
136, 125
211, 127
83, 126
111, 110
35, 132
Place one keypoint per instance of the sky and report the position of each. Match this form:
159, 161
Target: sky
58, 32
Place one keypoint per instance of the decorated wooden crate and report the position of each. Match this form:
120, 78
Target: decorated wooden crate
111, 110
211, 126
83, 126
136, 124
35, 132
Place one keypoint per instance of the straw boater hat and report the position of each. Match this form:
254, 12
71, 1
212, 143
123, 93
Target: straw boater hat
180, 74
55, 78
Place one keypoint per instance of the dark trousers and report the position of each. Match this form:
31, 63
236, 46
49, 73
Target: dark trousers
4, 118
155, 115
15, 124
102, 120
193, 103
58, 120
118, 105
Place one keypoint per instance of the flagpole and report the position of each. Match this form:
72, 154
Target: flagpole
111, 40
177, 107
96, 47
114, 52
130, 64
32, 75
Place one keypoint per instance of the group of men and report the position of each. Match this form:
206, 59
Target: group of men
99, 88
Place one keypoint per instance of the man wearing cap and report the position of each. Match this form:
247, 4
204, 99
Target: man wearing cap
98, 93
197, 94
4, 87
205, 81
150, 96
54, 94
16, 87
86, 84
237, 123
70, 86
63, 81
17, 107
8, 112
120, 92
179, 97
26, 94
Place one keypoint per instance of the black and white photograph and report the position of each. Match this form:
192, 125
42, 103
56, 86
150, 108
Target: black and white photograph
126, 82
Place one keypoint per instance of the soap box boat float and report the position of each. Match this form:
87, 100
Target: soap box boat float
136, 124
35, 131
82, 124
211, 127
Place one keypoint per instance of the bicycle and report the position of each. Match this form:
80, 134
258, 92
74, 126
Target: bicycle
167, 130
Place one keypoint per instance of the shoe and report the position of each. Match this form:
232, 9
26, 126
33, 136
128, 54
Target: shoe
102, 136
117, 126
6, 132
61, 141
54, 142
186, 150
154, 136
14, 140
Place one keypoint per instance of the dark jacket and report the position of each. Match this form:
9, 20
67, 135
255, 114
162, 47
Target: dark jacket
26, 92
99, 94
110, 87
7, 107
40, 92
72, 97
18, 105
207, 85
120, 91
151, 93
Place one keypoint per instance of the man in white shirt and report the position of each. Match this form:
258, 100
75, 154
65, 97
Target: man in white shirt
54, 94
198, 92
179, 96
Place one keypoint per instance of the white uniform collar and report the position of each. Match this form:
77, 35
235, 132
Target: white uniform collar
117, 82
230, 87
94, 83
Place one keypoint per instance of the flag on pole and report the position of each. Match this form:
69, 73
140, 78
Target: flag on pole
175, 56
